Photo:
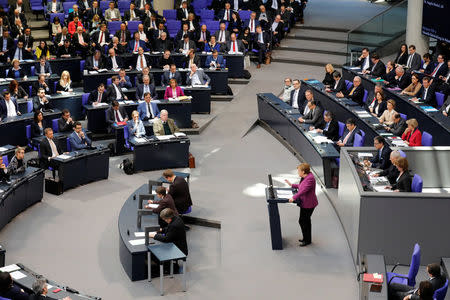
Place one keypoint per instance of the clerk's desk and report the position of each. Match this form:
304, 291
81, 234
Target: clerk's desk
25, 190
344, 108
435, 123
372, 263
82, 166
152, 153
274, 216
12, 129
179, 111
29, 277
281, 119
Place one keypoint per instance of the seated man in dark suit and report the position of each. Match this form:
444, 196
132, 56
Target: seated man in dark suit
203, 37
314, 116
78, 138
172, 73
94, 62
378, 68
48, 149
100, 39
402, 79
142, 60
135, 44
391, 172
66, 50
179, 190
364, 60
185, 44
441, 68
98, 96
166, 60
297, 99
40, 101
163, 43
215, 61
145, 87
445, 108
43, 67
398, 127
347, 138
123, 35
113, 61
191, 58
175, 231
427, 94
339, 85
261, 42
65, 123
381, 159
124, 80
330, 128
114, 92
40, 290
6, 45
356, 93
8, 106
115, 114
9, 290
165, 202
401, 291
235, 46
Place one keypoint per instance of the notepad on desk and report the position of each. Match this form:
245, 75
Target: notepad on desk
165, 137
284, 194
3, 149
64, 156
137, 242
17, 275
179, 134
10, 268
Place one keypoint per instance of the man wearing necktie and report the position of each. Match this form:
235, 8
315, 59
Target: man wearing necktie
226, 12
235, 46
98, 96
261, 44
441, 69
381, 159
414, 61
78, 138
183, 12
114, 92
144, 88
364, 60
141, 60
48, 149
347, 138
148, 110
222, 35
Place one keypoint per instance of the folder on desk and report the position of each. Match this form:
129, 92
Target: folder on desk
373, 277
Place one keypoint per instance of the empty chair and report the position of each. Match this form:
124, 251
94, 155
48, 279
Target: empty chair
199, 4
348, 84
207, 14
170, 14
403, 116
5, 160
358, 141
37, 7
245, 14
55, 125
123, 6
341, 128
402, 154
410, 279
365, 96
104, 5
212, 26
114, 26
173, 25
133, 26
427, 139
67, 6
416, 184
439, 99
439, 294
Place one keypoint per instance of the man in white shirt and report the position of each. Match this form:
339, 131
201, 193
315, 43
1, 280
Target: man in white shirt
142, 34
114, 92
295, 94
141, 60
227, 12
112, 13
222, 35
364, 60
197, 77
8, 107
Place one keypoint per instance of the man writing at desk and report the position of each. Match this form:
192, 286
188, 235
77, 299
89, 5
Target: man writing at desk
165, 202
164, 125
17, 164
347, 138
78, 139
381, 159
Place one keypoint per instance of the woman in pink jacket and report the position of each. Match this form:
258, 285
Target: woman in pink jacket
173, 90
307, 200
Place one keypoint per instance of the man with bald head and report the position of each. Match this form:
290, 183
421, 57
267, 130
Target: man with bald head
164, 125
402, 79
81, 41
356, 92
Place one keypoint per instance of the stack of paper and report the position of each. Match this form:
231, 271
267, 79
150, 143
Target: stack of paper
321, 139
399, 143
164, 137
137, 242
140, 140
365, 154
287, 194
101, 104
3, 149
179, 134
382, 188
10, 268
17, 275
153, 205
64, 156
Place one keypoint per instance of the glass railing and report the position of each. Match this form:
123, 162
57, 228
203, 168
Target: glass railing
378, 31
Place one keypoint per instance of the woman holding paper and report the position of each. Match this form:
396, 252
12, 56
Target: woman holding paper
64, 84
173, 90
306, 199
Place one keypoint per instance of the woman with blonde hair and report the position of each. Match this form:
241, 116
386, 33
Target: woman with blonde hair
328, 80
388, 116
64, 84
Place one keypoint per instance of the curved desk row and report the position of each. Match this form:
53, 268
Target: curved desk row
25, 190
435, 123
24, 278
280, 119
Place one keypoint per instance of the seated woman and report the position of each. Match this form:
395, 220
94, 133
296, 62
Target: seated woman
16, 71
9, 290
193, 25
378, 107
388, 115
404, 180
402, 55
94, 25
235, 24
135, 126
212, 45
414, 87
64, 84
246, 38
42, 49
56, 26
38, 124
412, 135
72, 27
329, 80
17, 91
173, 90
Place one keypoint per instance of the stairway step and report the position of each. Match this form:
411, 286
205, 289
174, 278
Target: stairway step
308, 58
312, 51
314, 45
300, 26
321, 34
318, 39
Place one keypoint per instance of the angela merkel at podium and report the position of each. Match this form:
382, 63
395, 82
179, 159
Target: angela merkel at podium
305, 198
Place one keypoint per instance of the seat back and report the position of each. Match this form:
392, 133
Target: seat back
341, 128
170, 14
133, 26
82, 62
348, 84
427, 139
28, 132
245, 14
417, 183
439, 99
403, 116
358, 141
123, 6
126, 135
29, 106
5, 160
69, 146
414, 267
212, 26
55, 125
104, 5
363, 134
114, 26
207, 14
33, 70
67, 6
61, 17
365, 96
84, 98
30, 91
108, 81
402, 154
440, 293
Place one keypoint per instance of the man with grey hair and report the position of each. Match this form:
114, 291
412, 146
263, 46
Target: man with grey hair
145, 87
164, 125
40, 290
356, 93
392, 172
402, 79
197, 77
17, 164
287, 89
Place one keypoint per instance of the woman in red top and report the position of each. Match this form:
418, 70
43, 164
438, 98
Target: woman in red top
412, 135
305, 198
173, 90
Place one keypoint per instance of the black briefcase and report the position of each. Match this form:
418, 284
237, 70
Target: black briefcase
53, 187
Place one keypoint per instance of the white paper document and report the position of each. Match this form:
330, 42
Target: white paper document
17, 275
382, 188
10, 268
140, 140
179, 134
153, 205
137, 242
164, 137
284, 194
64, 156
3, 149
101, 104
365, 154
139, 234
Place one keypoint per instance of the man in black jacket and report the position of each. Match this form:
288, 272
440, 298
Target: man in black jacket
427, 93
381, 159
179, 190
391, 172
398, 127
402, 79
331, 127
378, 68
356, 93
339, 84
115, 114
65, 123
401, 291
98, 95
48, 148
174, 232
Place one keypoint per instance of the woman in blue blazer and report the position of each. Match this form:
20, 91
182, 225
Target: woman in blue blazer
135, 126
212, 45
